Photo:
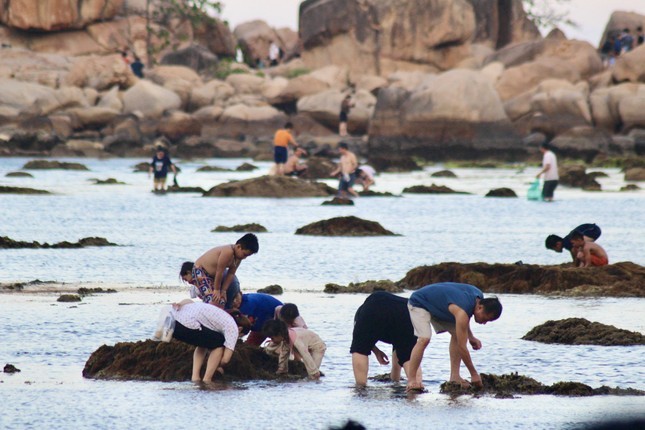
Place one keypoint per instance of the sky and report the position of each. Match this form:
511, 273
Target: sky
591, 15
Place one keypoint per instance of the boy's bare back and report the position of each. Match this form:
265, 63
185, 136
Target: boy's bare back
216, 259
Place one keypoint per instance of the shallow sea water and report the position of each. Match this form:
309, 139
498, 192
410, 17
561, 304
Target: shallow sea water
51, 341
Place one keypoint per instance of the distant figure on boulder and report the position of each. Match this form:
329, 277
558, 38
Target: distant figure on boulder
137, 67
626, 41
590, 232
347, 171
345, 106
365, 176
208, 328
589, 253
550, 172
293, 166
448, 306
214, 271
640, 36
159, 165
274, 54
382, 317
281, 141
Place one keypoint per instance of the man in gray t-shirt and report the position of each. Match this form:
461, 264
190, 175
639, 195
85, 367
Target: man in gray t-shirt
448, 306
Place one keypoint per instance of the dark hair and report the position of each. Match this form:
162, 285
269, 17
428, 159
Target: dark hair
545, 145
639, 28
273, 328
626, 30
577, 236
240, 320
343, 145
289, 312
551, 241
186, 268
249, 242
288, 125
492, 307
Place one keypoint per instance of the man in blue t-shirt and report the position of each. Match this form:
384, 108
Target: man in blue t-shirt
159, 165
448, 306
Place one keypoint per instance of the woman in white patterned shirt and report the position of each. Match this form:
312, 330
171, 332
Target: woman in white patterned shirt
208, 328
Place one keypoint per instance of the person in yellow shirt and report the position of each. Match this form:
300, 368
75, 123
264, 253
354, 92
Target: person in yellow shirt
281, 141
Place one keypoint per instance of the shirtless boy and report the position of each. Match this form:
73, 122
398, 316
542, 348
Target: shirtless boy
589, 253
347, 170
208, 270
293, 166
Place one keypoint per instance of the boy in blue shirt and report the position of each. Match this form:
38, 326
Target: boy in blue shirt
448, 306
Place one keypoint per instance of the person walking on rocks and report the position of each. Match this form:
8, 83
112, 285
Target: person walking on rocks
382, 317
159, 165
550, 172
448, 306
347, 170
281, 141
345, 106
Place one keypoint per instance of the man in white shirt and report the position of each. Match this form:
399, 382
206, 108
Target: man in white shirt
550, 171
274, 54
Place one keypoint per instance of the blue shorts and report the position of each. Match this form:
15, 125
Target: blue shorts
280, 154
344, 185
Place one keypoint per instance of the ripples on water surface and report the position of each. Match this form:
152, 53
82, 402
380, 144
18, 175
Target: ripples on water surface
50, 342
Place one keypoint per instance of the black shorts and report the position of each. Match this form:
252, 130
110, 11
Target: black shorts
206, 338
280, 154
343, 116
549, 188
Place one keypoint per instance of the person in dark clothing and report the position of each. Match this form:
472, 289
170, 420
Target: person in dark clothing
160, 165
137, 67
590, 232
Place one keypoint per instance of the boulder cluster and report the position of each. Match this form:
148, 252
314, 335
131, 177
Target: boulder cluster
482, 82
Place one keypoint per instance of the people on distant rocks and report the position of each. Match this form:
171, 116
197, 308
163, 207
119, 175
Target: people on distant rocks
448, 306
607, 51
640, 36
550, 172
214, 272
274, 54
125, 57
345, 106
209, 329
347, 172
160, 165
137, 67
383, 317
293, 166
258, 308
626, 41
589, 253
281, 141
590, 232
304, 344
365, 176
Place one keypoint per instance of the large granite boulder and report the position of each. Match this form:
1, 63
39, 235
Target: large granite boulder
605, 104
54, 15
582, 143
630, 66
149, 99
579, 331
324, 108
623, 279
216, 36
254, 39
454, 115
100, 72
271, 186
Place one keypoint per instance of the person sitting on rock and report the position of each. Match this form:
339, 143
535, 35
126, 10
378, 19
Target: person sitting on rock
590, 232
259, 308
589, 253
186, 275
293, 166
382, 317
208, 328
214, 271
365, 176
303, 343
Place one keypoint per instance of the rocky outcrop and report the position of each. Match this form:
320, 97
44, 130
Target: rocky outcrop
20, 190
271, 186
241, 228
338, 201
8, 243
508, 385
160, 361
579, 331
274, 290
501, 192
623, 279
53, 164
577, 176
344, 226
431, 189
367, 287
635, 174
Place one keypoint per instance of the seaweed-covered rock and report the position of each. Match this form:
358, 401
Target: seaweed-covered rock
142, 167
271, 186
431, 189
69, 298
172, 361
635, 174
630, 187
579, 331
83, 291
8, 243
241, 228
444, 174
501, 192
338, 201
274, 290
53, 164
178, 189
21, 190
577, 176
19, 175
370, 193
108, 181
213, 169
10, 368
364, 287
623, 279
344, 226
319, 168
246, 167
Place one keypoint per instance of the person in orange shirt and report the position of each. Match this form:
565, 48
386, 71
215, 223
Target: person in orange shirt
281, 142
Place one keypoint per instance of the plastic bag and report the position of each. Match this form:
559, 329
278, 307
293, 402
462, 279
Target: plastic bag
165, 325
534, 192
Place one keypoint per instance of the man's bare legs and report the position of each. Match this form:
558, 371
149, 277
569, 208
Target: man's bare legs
360, 364
415, 363
455, 363
395, 373
214, 359
342, 129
